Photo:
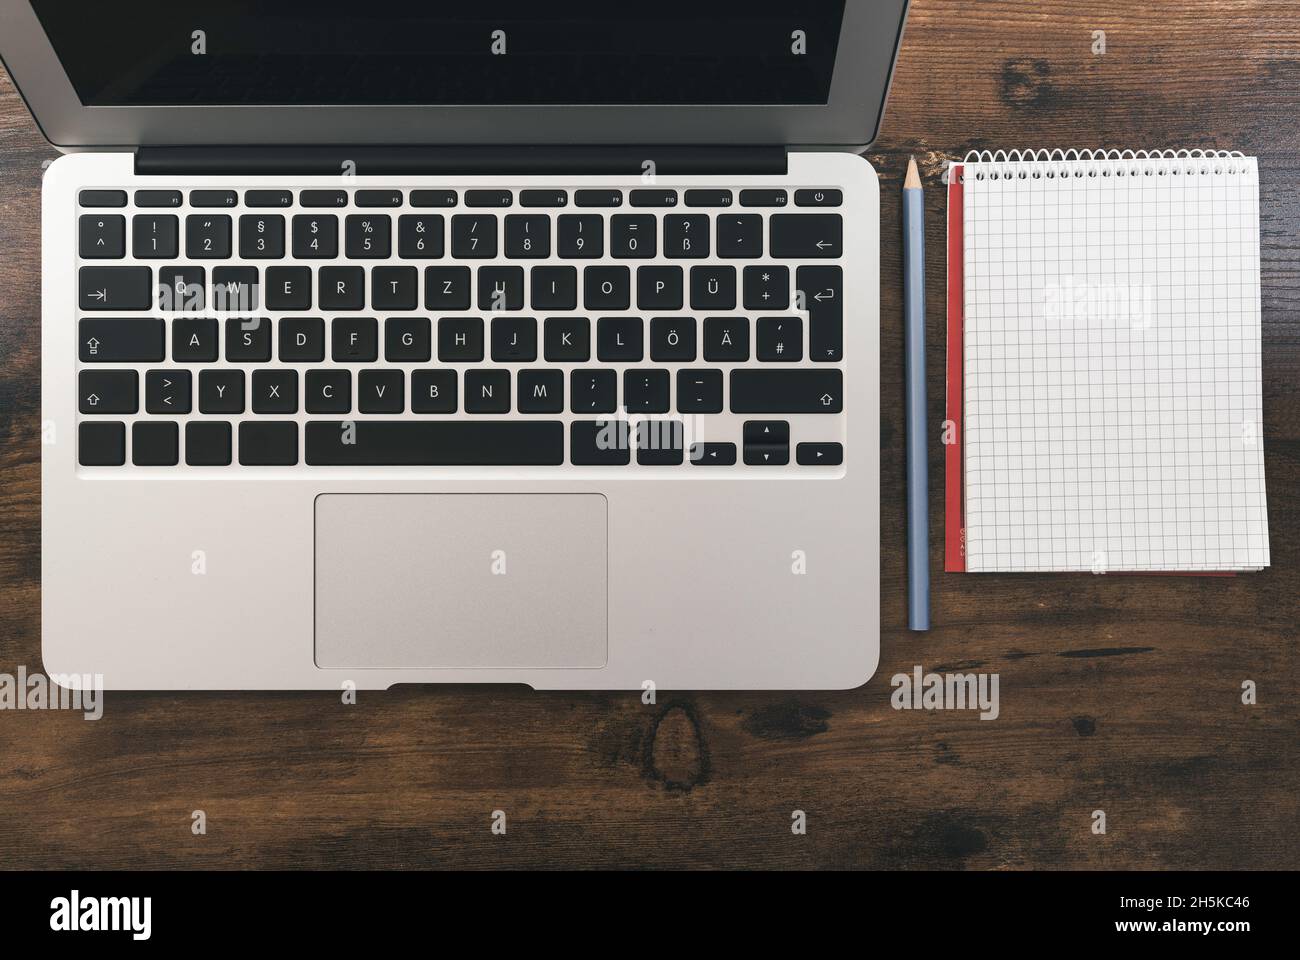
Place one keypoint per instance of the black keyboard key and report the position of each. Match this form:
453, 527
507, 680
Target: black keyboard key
653, 198
541, 391
115, 288
407, 340
767, 455
787, 391
108, 391
659, 443
473, 236
207, 236
378, 198
764, 198
433, 391
419, 236
567, 339
822, 287
818, 198
593, 391
342, 288
235, 289
155, 236
328, 391
368, 236
699, 391
101, 444
632, 236
767, 288
686, 236
323, 198
302, 340
393, 288
619, 339
780, 339
433, 198
275, 391
528, 236
598, 198
446, 288
488, 198
708, 198
600, 443
381, 391
460, 339
514, 339
101, 236
195, 340
807, 236
182, 288
767, 431
168, 391
543, 198
157, 198
726, 339
248, 339
288, 288
706, 454
487, 391
740, 236
606, 288
105, 340
500, 288
155, 443
268, 198
315, 237
819, 454
713, 288
672, 339
554, 288
436, 443
213, 198
261, 236
268, 443
581, 236
645, 391
221, 391
354, 339
207, 443
659, 288
102, 198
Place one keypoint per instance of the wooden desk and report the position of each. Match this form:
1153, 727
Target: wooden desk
1121, 694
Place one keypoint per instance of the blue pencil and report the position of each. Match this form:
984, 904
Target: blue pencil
918, 479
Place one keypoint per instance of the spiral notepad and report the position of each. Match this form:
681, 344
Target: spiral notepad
1104, 363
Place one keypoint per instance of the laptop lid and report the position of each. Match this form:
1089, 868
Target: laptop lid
95, 73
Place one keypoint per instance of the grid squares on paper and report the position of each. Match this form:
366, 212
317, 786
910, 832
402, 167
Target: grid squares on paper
1111, 386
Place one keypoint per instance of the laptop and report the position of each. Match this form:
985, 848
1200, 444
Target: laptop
459, 343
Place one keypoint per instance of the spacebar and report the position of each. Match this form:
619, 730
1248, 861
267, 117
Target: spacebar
438, 443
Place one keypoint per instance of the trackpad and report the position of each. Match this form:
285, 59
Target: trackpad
460, 580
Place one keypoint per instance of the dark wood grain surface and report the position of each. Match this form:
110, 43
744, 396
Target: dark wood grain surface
1120, 694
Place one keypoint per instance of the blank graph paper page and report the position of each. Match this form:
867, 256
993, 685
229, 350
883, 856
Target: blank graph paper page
1111, 367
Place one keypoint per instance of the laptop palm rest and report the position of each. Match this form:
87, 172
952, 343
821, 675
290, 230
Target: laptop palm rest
461, 581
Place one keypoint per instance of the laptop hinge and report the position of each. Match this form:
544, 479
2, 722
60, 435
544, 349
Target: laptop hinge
462, 160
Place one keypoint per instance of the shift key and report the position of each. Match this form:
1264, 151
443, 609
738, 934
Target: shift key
787, 391
116, 288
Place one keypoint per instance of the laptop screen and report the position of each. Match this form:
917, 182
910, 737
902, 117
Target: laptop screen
541, 52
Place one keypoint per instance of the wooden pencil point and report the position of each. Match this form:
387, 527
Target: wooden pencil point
913, 179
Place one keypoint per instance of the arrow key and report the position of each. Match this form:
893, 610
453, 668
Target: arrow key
713, 454
767, 454
167, 391
819, 454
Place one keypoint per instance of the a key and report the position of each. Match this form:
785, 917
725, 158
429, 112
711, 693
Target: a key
328, 391
740, 235
101, 443
819, 454
213, 198
726, 339
155, 236
433, 391
763, 198
619, 339
818, 198
514, 340
500, 288
487, 391
235, 289
653, 198
354, 339
248, 339
446, 288
221, 391
581, 235
659, 288
157, 198
686, 235
528, 236
106, 340
264, 198
606, 288
593, 391
207, 443
780, 339
645, 391
488, 198
473, 236
207, 236
713, 288
433, 198
268, 443
102, 236
288, 288
632, 236
807, 236
823, 296
767, 287
543, 198
155, 444
115, 288
261, 236
302, 340
195, 340
460, 339
567, 339
393, 288
378, 198
381, 391
708, 198
600, 443
541, 391
275, 391
672, 339
699, 391
323, 198
787, 391
419, 237
767, 442
368, 236
168, 391
435, 443
342, 288
659, 443
713, 454
108, 391
102, 198
315, 237
554, 288
598, 198
407, 339
182, 288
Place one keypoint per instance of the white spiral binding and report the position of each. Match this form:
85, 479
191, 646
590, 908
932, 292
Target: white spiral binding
1064, 164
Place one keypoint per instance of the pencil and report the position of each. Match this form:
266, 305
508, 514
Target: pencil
918, 480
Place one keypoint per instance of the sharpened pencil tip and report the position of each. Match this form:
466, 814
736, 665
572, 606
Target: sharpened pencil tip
913, 179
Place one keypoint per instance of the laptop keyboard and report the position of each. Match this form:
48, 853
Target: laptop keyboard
481, 327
